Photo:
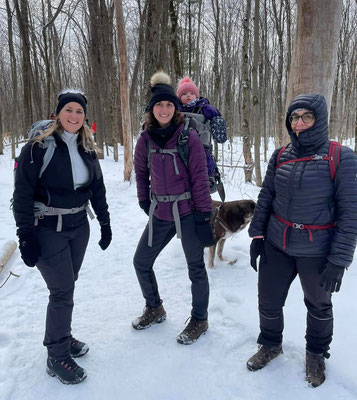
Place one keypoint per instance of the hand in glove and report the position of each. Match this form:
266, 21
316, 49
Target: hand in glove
145, 205
106, 236
256, 250
203, 228
29, 248
332, 277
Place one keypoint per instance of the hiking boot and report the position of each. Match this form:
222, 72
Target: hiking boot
67, 371
315, 368
78, 348
263, 356
150, 316
193, 331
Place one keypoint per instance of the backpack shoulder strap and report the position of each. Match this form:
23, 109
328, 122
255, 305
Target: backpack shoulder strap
334, 154
281, 151
182, 142
49, 144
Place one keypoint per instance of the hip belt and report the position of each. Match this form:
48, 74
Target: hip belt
41, 211
155, 199
302, 226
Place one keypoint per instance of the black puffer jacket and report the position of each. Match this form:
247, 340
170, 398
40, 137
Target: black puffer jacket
55, 187
303, 192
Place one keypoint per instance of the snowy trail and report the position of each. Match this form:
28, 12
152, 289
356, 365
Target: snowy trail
126, 364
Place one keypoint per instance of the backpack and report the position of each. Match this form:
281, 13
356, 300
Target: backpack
48, 143
334, 157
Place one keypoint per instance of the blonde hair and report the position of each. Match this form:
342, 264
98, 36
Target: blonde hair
85, 134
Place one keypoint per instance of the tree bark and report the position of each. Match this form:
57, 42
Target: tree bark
124, 91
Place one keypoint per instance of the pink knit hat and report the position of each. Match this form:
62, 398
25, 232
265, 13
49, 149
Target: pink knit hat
186, 85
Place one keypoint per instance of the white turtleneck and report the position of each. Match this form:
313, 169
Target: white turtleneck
79, 169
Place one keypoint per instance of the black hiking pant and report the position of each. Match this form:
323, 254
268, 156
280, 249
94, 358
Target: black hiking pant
276, 274
61, 258
145, 256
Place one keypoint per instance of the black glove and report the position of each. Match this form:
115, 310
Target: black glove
203, 228
106, 237
145, 205
256, 250
332, 277
29, 248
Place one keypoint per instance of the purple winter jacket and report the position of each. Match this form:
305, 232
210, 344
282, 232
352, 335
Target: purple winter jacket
162, 179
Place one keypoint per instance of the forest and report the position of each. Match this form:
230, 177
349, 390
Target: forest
248, 57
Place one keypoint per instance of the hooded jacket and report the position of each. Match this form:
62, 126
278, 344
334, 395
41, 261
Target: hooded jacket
162, 179
304, 193
55, 188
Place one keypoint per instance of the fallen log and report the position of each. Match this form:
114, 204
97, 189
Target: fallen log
6, 252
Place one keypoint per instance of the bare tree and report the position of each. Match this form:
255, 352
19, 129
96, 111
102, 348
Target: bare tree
124, 91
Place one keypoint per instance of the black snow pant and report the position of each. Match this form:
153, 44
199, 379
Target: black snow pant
61, 258
145, 256
276, 274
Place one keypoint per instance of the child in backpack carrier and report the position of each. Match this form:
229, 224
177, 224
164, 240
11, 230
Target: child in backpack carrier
191, 103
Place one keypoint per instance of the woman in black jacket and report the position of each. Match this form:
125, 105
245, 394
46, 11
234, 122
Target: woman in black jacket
304, 223
50, 208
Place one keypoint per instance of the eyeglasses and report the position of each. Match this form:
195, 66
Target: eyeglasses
307, 118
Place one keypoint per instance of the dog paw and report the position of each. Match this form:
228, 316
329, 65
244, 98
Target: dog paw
233, 261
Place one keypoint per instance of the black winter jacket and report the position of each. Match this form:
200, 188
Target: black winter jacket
303, 192
55, 187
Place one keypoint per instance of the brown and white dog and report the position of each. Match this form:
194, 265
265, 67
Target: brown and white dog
227, 219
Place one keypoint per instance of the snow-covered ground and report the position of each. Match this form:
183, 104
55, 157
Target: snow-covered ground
126, 364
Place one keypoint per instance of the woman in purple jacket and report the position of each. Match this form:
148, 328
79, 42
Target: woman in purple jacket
177, 200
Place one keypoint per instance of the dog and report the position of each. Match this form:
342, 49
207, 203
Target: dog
227, 219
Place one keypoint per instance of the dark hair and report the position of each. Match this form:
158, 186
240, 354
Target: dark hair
149, 119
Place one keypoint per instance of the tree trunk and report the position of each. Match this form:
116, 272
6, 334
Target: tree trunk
256, 99
124, 91
248, 167
314, 57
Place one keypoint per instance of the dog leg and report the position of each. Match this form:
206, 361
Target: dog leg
220, 252
211, 252
220, 244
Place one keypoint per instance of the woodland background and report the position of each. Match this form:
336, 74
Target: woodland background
244, 56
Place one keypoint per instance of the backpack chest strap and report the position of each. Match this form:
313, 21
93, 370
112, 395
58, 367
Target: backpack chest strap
172, 152
314, 157
155, 199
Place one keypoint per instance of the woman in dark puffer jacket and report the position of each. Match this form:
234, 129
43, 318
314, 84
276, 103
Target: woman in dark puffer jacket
50, 209
304, 223
177, 200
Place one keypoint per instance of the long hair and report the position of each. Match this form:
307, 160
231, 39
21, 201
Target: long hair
85, 135
149, 119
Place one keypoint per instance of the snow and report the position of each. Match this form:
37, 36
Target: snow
126, 364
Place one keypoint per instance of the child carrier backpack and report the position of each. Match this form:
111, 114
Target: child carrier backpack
333, 157
199, 123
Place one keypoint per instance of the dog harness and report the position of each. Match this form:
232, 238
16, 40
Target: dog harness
41, 211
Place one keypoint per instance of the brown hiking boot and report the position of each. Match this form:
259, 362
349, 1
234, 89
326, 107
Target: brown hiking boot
150, 316
263, 356
193, 331
315, 369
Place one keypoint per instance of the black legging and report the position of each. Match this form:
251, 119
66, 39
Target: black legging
145, 256
275, 277
61, 258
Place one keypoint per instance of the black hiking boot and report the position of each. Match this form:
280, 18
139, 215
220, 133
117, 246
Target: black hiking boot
263, 356
193, 331
315, 369
150, 316
78, 348
67, 371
